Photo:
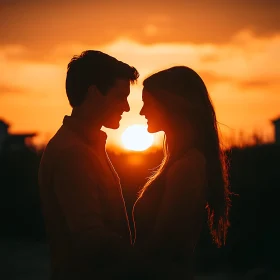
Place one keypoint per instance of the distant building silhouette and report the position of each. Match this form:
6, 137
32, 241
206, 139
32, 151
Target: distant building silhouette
12, 141
276, 123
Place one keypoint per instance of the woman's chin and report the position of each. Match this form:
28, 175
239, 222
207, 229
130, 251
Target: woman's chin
152, 129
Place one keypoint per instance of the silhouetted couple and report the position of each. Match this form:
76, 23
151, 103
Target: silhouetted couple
85, 214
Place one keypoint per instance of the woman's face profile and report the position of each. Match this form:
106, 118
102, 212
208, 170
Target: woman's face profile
153, 112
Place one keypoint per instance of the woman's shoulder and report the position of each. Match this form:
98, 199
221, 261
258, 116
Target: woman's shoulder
191, 164
192, 158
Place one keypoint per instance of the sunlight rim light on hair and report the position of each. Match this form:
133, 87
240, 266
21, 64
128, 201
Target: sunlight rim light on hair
137, 138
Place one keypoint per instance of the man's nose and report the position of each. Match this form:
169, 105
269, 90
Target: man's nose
126, 107
141, 113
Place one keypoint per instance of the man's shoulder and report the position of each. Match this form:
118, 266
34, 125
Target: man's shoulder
62, 139
70, 159
63, 144
72, 151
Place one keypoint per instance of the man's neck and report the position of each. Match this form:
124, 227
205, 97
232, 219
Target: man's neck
91, 122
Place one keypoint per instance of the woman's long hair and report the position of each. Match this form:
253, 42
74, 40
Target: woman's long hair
184, 82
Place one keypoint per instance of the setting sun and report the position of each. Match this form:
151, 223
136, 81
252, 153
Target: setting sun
137, 138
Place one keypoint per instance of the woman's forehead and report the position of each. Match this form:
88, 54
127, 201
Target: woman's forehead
146, 95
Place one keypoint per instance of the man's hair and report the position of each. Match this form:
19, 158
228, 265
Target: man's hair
95, 68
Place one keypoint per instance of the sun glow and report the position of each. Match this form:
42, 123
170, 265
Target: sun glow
137, 138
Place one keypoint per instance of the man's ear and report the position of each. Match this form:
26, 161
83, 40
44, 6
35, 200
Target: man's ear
93, 91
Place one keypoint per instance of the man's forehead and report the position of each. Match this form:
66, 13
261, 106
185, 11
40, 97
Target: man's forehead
122, 83
121, 87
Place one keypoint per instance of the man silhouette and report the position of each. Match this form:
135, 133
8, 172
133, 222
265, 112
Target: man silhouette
85, 214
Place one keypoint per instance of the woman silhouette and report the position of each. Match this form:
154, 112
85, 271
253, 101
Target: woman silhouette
168, 214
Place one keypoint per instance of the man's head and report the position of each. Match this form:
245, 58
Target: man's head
98, 85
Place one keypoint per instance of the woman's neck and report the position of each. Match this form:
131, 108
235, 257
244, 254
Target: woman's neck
179, 141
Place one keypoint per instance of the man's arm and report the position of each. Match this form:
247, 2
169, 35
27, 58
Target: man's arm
76, 186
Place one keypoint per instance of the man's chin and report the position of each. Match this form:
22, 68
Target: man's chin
112, 125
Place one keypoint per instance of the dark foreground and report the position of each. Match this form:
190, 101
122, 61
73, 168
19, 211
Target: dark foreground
29, 260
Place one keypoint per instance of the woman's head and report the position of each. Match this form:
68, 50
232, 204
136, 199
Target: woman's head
175, 97
176, 100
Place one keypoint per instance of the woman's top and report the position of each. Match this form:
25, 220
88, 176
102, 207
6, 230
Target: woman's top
168, 219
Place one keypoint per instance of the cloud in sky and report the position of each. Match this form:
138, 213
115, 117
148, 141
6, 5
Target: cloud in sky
242, 77
11, 89
41, 25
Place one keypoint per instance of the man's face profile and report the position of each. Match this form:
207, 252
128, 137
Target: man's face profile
116, 103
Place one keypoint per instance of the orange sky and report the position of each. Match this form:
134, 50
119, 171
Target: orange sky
234, 47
